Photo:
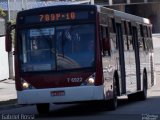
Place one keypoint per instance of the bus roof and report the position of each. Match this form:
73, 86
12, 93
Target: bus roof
101, 9
123, 15
56, 7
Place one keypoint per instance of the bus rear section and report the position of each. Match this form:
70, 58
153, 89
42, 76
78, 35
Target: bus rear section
127, 48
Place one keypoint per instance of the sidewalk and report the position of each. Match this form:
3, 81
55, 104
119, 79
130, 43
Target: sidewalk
7, 91
155, 90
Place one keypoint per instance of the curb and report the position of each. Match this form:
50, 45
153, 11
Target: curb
3, 80
7, 107
12, 103
7, 102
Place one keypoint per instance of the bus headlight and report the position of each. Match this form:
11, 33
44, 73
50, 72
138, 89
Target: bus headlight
25, 85
91, 81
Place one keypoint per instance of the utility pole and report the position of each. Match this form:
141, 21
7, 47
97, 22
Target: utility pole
8, 4
10, 54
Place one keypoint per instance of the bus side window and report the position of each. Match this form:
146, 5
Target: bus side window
124, 29
129, 33
129, 28
111, 25
145, 37
150, 31
142, 35
150, 45
112, 29
140, 39
150, 36
105, 41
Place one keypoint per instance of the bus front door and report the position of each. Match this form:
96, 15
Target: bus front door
121, 58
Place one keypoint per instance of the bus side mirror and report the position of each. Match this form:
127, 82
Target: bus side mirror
8, 37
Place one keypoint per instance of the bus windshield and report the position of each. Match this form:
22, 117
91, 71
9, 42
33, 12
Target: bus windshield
57, 48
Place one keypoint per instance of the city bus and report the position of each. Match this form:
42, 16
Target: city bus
80, 53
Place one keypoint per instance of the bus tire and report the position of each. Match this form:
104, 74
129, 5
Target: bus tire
112, 103
143, 93
43, 108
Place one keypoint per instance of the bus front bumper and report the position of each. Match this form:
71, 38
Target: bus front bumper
61, 95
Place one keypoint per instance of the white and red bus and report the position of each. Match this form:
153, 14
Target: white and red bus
78, 53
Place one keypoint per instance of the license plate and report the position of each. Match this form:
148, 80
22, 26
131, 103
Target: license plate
57, 93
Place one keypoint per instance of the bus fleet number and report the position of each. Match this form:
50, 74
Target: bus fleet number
74, 80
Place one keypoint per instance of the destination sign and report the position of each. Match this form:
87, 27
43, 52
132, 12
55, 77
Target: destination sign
58, 17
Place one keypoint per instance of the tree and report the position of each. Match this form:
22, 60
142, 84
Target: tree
2, 13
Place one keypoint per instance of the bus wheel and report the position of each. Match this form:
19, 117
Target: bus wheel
112, 104
43, 108
143, 94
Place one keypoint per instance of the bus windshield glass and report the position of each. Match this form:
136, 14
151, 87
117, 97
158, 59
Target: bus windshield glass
57, 48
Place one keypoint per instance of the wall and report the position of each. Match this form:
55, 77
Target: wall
4, 72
